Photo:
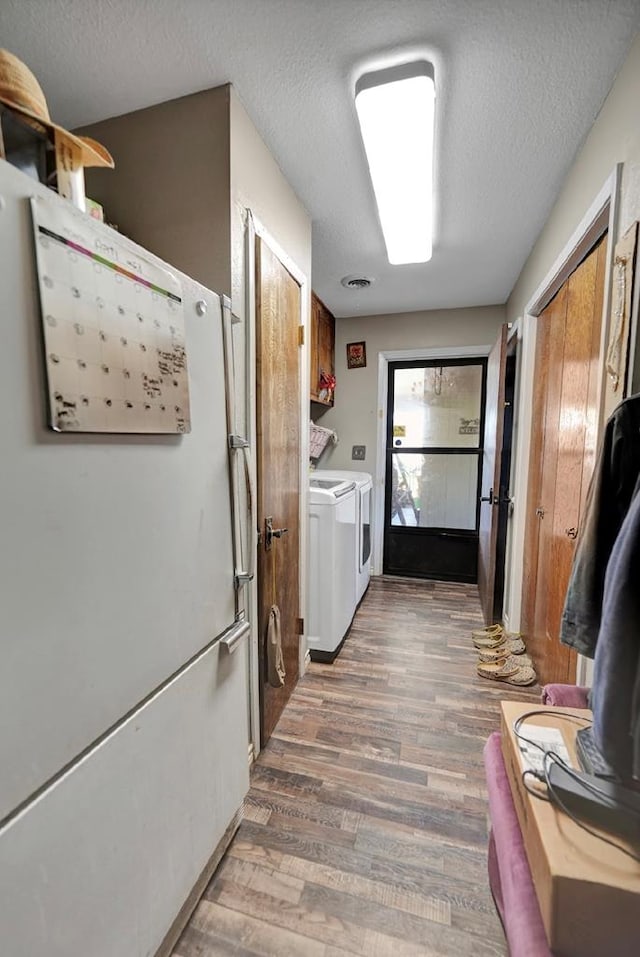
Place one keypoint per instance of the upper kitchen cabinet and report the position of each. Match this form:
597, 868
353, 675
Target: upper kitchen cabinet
323, 341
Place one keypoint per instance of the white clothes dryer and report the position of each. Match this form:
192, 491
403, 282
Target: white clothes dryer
362, 559
333, 512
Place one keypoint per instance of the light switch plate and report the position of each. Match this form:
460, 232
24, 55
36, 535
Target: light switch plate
358, 453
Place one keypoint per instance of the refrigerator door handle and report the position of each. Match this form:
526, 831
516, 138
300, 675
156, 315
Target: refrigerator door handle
242, 576
236, 442
232, 638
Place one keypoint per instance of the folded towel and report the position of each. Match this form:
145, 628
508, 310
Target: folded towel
566, 696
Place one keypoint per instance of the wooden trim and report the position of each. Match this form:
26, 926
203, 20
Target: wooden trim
173, 934
289, 264
251, 591
254, 227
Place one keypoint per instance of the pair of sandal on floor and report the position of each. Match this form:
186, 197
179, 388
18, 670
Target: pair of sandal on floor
501, 656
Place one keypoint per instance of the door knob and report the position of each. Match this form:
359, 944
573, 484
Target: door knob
270, 532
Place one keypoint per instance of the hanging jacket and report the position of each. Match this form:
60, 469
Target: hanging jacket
615, 697
611, 492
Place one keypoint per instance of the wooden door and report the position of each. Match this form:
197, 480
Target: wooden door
491, 499
562, 457
278, 467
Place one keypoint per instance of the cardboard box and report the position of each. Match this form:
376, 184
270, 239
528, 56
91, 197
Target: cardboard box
588, 891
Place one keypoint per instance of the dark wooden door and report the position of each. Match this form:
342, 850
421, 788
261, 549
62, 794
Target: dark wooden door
278, 468
491, 498
562, 453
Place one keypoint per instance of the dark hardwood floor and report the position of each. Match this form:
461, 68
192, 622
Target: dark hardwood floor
365, 828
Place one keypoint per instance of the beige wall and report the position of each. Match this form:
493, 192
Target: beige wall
170, 188
355, 414
186, 171
258, 183
614, 138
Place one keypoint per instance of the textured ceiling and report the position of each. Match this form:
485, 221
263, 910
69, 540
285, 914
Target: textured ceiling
519, 84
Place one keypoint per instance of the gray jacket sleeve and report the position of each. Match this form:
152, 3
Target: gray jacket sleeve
610, 493
616, 720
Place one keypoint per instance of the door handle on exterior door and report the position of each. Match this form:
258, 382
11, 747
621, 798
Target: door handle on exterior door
505, 500
487, 498
270, 532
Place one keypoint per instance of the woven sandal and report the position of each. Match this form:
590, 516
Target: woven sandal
490, 641
499, 640
507, 672
503, 650
522, 661
497, 670
490, 631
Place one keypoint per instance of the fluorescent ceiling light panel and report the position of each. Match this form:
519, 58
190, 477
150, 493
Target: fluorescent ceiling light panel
396, 110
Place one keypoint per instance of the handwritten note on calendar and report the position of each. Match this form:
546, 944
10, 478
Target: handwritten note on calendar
113, 326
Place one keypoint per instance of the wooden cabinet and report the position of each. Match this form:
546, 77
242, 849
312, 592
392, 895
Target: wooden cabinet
323, 339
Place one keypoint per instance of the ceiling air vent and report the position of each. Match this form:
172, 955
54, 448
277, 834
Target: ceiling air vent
356, 282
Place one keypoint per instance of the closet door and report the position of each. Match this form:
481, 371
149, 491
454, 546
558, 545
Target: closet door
562, 457
553, 330
576, 437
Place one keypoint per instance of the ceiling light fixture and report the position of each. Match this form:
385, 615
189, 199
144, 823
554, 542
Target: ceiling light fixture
396, 110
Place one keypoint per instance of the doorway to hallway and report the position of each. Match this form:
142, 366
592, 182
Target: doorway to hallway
435, 426
495, 500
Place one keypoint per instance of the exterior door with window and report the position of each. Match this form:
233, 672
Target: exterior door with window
434, 452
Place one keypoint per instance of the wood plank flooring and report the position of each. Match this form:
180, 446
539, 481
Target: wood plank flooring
366, 825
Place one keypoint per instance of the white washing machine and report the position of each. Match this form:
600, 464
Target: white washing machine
333, 513
362, 560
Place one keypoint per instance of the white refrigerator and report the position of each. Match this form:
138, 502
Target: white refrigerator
123, 652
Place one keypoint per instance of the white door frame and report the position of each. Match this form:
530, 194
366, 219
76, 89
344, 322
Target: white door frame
254, 228
601, 217
384, 358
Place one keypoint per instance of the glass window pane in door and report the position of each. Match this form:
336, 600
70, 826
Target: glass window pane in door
437, 406
434, 490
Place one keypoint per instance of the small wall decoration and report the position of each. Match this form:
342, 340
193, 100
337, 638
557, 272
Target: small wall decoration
622, 298
356, 355
113, 329
326, 386
469, 426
